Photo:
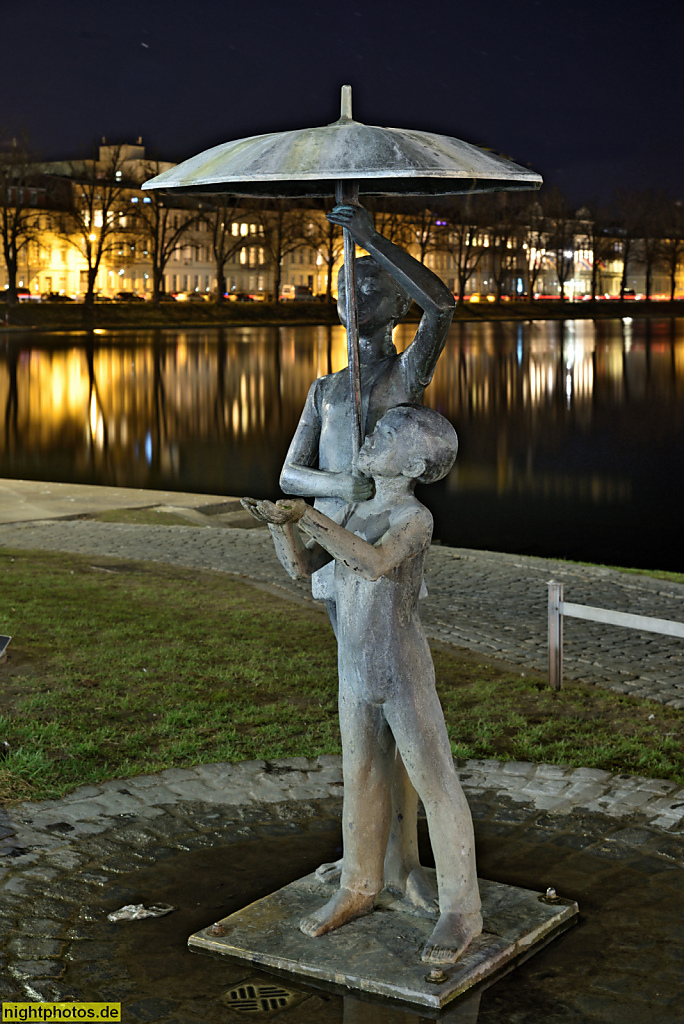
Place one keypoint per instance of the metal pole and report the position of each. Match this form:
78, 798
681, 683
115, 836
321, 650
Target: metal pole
555, 635
347, 193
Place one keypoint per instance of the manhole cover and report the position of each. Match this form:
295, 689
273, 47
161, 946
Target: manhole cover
261, 998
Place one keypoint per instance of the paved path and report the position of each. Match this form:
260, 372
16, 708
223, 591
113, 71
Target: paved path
24, 500
490, 603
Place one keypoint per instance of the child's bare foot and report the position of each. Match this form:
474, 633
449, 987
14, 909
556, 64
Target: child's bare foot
421, 890
451, 936
344, 906
329, 872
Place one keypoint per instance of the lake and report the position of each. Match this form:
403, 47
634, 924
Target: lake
571, 432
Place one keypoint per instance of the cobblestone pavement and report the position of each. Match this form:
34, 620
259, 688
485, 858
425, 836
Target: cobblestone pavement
490, 603
614, 844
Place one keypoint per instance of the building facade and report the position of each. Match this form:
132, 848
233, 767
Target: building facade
75, 207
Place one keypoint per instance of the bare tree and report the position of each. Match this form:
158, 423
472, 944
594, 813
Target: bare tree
426, 233
672, 245
624, 215
531, 224
282, 231
220, 217
394, 222
97, 204
499, 214
646, 217
326, 239
461, 237
561, 236
595, 236
160, 225
18, 215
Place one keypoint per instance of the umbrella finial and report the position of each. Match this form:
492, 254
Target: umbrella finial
346, 103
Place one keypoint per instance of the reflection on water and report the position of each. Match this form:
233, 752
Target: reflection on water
570, 431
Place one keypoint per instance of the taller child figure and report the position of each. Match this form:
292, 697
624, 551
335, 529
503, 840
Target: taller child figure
319, 461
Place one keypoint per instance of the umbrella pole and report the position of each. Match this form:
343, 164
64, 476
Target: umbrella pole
347, 193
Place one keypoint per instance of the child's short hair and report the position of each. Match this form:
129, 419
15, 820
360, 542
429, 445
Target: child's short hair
431, 438
363, 262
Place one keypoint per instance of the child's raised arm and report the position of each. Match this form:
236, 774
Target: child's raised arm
424, 287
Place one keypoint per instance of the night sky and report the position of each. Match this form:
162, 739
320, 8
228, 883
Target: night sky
590, 94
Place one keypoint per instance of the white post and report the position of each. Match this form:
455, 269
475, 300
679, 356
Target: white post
555, 635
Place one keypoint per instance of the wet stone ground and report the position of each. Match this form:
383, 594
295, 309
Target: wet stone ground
623, 962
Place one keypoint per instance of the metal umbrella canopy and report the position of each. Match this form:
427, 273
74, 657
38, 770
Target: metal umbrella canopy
346, 159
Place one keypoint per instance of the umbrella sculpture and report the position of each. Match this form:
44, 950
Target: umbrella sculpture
346, 159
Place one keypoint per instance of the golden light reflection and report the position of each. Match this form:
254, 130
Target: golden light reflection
135, 406
93, 414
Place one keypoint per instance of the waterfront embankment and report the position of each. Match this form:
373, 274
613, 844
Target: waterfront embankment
71, 316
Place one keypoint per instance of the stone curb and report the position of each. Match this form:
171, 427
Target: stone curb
62, 859
55, 826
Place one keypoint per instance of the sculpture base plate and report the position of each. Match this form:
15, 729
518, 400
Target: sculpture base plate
380, 953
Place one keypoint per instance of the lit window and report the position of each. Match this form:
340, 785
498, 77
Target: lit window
97, 220
252, 229
235, 229
244, 229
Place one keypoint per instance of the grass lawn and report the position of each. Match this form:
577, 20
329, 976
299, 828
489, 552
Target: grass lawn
120, 668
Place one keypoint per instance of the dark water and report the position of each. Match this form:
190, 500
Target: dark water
620, 965
571, 432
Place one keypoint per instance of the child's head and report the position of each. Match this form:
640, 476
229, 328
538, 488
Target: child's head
413, 441
379, 299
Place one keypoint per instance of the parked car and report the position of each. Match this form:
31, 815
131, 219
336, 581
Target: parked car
191, 296
55, 297
166, 297
127, 297
296, 293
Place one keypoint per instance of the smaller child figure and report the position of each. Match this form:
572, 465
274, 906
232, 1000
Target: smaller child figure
387, 691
